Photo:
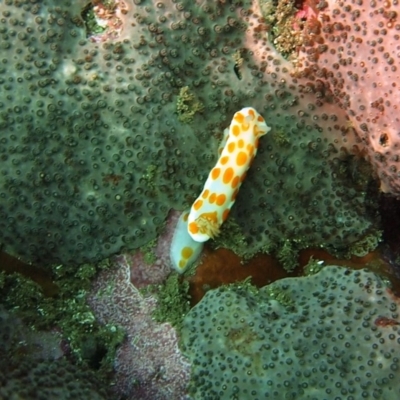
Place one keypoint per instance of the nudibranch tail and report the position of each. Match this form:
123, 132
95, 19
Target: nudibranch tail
212, 207
184, 250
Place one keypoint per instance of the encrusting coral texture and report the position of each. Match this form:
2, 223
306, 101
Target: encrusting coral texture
33, 365
105, 126
333, 335
112, 115
148, 364
351, 53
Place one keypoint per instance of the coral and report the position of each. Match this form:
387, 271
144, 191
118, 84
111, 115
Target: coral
85, 117
16, 338
351, 52
66, 311
33, 366
334, 334
54, 379
148, 364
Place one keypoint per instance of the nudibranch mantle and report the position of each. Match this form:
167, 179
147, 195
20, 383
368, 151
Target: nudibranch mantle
212, 207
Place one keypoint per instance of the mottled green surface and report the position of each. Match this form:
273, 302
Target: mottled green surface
90, 343
93, 152
333, 334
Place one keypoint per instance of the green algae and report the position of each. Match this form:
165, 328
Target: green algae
281, 138
366, 244
173, 300
148, 251
91, 22
231, 237
188, 105
313, 267
288, 255
67, 310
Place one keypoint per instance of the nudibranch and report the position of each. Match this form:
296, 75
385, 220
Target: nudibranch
184, 250
212, 207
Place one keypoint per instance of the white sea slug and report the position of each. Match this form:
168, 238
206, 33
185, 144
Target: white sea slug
212, 207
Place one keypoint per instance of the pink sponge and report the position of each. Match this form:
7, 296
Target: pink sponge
353, 48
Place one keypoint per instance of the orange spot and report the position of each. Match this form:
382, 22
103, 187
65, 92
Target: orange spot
235, 130
193, 228
212, 198
235, 182
197, 204
221, 199
241, 143
250, 147
241, 158
239, 117
234, 194
187, 252
215, 173
231, 147
205, 194
260, 119
242, 178
228, 175
252, 115
224, 160
185, 216
225, 214
182, 264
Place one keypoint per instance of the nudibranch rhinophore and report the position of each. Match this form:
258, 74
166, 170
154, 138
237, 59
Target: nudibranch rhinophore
212, 207
184, 250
